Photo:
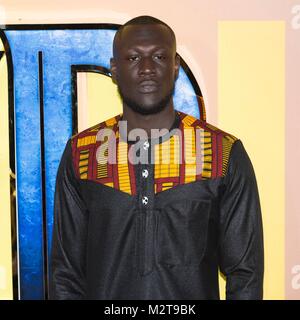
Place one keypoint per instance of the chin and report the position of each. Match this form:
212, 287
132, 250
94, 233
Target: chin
147, 107
147, 110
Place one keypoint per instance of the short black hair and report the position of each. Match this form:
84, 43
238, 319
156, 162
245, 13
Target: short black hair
141, 20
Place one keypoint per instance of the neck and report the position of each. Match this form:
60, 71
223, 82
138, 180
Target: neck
161, 120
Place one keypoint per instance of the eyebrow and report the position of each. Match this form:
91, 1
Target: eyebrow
157, 48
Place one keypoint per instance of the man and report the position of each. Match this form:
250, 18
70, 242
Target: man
145, 214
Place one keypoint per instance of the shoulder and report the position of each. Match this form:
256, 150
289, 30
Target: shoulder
216, 143
88, 136
190, 121
84, 143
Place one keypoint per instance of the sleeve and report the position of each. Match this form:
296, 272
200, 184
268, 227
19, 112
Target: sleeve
241, 252
67, 265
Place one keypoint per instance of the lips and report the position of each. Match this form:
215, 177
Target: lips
148, 86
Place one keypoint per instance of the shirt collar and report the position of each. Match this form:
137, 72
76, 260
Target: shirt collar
175, 125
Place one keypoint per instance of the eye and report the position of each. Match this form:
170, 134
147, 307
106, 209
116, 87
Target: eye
133, 58
159, 57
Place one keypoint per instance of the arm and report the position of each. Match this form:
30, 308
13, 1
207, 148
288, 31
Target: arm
241, 253
67, 276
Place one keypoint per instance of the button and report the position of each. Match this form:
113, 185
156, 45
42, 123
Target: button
145, 173
145, 200
146, 145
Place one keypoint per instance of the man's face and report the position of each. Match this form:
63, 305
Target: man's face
145, 67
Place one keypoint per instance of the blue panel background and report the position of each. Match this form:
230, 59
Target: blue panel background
61, 49
27, 126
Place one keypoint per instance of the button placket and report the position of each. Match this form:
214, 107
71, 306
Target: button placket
146, 145
145, 173
145, 200
146, 217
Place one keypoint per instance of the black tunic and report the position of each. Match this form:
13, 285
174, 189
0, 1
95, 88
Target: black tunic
160, 234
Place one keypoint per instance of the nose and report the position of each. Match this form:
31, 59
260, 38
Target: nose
146, 66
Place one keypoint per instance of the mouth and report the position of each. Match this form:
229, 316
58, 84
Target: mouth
147, 86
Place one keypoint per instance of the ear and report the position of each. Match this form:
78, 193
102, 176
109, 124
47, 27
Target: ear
113, 69
177, 65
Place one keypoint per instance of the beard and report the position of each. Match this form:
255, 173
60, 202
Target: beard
155, 108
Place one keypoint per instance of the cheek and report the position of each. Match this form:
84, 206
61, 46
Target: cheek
168, 72
127, 70
169, 78
125, 77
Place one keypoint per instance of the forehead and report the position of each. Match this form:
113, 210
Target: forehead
146, 35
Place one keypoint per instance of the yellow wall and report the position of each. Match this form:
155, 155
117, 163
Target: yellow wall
5, 215
251, 104
98, 99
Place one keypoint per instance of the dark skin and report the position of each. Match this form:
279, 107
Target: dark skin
145, 66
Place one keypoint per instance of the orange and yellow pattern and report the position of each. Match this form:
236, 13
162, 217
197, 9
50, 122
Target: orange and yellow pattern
200, 152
